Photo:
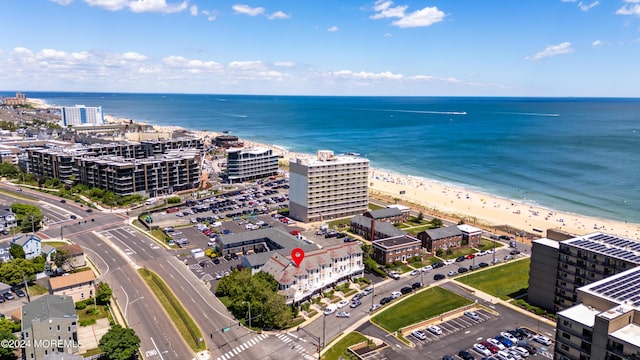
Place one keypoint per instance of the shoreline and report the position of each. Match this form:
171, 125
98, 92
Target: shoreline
433, 196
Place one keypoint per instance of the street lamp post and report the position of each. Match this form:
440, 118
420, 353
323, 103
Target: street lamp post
248, 303
324, 336
33, 227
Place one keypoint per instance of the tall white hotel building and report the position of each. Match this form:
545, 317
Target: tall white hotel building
81, 115
328, 186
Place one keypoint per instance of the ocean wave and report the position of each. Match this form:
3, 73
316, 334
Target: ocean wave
234, 115
529, 114
428, 112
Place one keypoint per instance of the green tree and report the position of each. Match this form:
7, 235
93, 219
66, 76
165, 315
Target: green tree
103, 293
420, 216
120, 343
436, 222
8, 170
16, 251
15, 271
60, 258
7, 352
27, 216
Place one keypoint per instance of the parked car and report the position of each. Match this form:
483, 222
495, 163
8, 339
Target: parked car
355, 303
435, 329
342, 303
367, 291
394, 275
483, 264
437, 265
460, 258
496, 343
19, 292
509, 336
481, 349
503, 355
415, 273
419, 334
396, 294
493, 348
385, 300
343, 314
374, 307
465, 355
521, 351
462, 270
470, 256
8, 296
330, 309
506, 342
542, 340
524, 331
416, 285
438, 277
515, 334
427, 268
357, 296
406, 290
452, 273
472, 314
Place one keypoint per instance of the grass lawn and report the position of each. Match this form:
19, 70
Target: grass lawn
415, 230
36, 289
85, 314
338, 349
178, 314
418, 307
489, 244
373, 206
504, 281
55, 244
459, 252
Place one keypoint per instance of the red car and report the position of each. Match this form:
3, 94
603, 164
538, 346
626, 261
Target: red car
494, 349
470, 256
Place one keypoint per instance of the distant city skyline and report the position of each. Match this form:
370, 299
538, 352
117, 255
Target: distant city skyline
377, 48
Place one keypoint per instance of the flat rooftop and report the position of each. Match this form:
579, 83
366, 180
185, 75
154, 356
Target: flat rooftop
621, 288
402, 240
629, 334
548, 242
585, 315
609, 245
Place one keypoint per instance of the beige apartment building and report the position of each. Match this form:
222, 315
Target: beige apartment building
605, 324
328, 186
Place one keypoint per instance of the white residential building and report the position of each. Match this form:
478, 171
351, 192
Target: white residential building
318, 270
328, 186
80, 115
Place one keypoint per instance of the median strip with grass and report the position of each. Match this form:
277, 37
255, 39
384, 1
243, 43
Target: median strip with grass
505, 281
338, 349
180, 317
419, 307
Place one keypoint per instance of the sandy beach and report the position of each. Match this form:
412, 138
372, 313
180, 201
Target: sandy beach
435, 197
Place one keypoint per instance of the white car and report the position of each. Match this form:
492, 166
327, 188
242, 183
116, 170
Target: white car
481, 253
449, 262
415, 273
542, 340
374, 307
396, 294
343, 314
503, 355
394, 274
473, 315
496, 343
427, 268
509, 336
481, 349
367, 291
521, 351
330, 309
515, 355
342, 304
419, 334
435, 329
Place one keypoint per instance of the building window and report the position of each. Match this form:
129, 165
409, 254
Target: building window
566, 336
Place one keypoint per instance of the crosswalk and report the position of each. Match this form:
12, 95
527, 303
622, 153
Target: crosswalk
288, 339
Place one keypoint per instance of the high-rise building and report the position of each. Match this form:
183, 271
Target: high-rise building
81, 115
328, 186
605, 324
250, 164
579, 261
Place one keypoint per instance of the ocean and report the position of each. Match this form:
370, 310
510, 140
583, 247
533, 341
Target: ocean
569, 154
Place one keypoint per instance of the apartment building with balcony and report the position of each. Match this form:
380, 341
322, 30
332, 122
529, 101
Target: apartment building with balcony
582, 261
397, 248
605, 322
328, 186
319, 270
248, 164
81, 115
176, 170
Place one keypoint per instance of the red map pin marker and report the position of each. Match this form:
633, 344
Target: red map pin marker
297, 254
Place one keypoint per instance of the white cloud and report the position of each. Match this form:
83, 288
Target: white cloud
596, 43
246, 65
585, 7
629, 9
139, 6
430, 78
552, 50
191, 64
364, 75
425, 17
278, 15
62, 2
133, 56
247, 10
419, 18
211, 15
284, 64
332, 29
193, 10
384, 10
388, 35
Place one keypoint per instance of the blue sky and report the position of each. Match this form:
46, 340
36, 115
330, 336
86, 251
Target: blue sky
329, 47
